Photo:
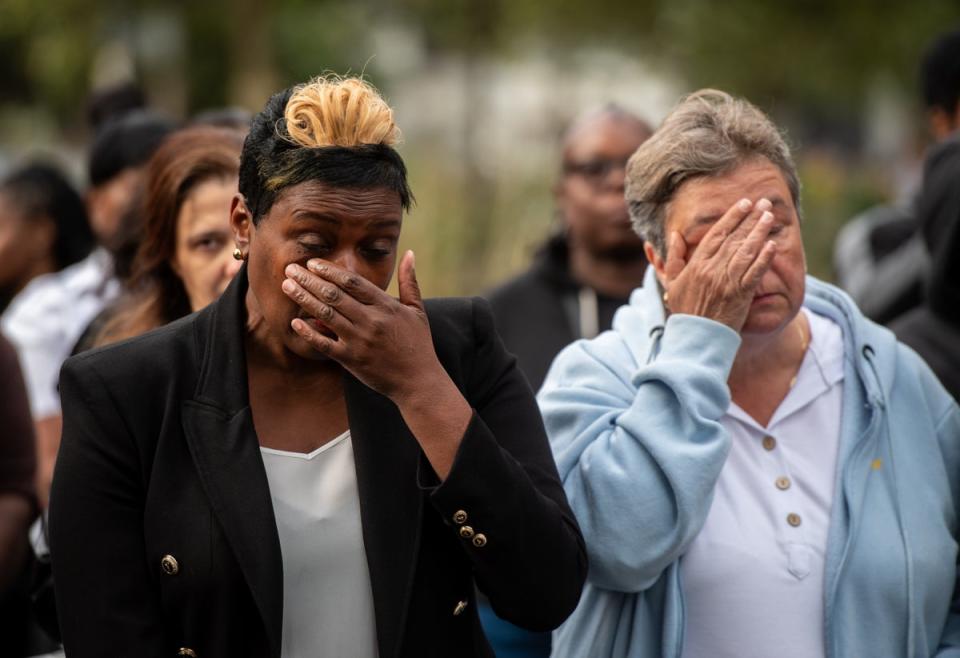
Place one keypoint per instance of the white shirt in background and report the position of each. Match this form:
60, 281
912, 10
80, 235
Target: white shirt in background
45, 321
327, 597
753, 579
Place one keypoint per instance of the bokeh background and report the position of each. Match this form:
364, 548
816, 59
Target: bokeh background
483, 89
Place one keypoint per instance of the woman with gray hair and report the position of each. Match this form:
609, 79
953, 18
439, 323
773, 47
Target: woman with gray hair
757, 468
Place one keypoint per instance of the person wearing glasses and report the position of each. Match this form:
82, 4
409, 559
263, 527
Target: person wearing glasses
587, 269
580, 276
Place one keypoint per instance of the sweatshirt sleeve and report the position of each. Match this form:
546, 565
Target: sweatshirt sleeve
948, 432
639, 446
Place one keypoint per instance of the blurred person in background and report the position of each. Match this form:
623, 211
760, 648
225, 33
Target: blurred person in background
758, 469
111, 102
577, 280
185, 259
18, 508
234, 118
933, 328
131, 231
116, 168
47, 318
309, 466
43, 227
880, 256
586, 271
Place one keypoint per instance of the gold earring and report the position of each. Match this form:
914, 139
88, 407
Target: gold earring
239, 255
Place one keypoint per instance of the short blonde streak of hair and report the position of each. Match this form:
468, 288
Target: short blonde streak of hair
339, 111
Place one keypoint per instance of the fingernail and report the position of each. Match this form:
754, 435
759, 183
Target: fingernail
313, 264
744, 204
290, 270
766, 217
764, 204
288, 285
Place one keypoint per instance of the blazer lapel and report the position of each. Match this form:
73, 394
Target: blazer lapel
391, 505
218, 427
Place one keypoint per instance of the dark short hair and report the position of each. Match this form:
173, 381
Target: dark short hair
125, 143
272, 161
940, 72
40, 191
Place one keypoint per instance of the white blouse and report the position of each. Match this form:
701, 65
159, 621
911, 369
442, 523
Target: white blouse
753, 579
327, 598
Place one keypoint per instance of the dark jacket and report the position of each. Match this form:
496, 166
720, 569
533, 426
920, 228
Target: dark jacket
159, 458
933, 329
537, 313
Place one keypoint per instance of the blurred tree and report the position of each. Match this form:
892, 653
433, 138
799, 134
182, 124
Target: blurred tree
817, 53
814, 64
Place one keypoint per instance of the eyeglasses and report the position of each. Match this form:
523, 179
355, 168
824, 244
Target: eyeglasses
595, 171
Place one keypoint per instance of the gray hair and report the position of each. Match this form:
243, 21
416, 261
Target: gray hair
709, 133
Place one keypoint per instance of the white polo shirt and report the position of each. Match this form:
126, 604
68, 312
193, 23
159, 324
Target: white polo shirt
753, 579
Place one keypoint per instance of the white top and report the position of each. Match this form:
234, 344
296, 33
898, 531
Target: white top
327, 599
45, 321
753, 579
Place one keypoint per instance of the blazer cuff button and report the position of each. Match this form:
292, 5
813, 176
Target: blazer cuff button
170, 567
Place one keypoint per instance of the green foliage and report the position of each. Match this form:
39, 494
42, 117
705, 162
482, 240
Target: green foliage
811, 63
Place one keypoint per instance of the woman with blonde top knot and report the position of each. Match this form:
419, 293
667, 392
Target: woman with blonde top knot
309, 466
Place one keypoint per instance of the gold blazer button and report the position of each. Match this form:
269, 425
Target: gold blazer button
480, 540
459, 608
187, 652
466, 532
459, 517
170, 567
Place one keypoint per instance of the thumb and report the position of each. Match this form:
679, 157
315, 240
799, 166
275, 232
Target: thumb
407, 282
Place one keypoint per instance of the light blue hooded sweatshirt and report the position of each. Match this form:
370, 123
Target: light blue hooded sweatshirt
634, 420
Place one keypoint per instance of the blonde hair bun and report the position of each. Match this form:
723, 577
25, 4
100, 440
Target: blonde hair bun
339, 111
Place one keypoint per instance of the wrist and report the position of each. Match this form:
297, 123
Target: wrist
438, 416
429, 388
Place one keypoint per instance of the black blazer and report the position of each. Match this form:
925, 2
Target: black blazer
159, 458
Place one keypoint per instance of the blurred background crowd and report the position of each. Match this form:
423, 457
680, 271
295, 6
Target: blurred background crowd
506, 108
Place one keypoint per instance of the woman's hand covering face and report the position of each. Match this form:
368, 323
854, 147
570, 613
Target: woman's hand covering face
384, 342
719, 279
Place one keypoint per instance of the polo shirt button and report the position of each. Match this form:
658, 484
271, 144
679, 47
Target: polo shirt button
794, 519
459, 517
466, 532
783, 483
769, 443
